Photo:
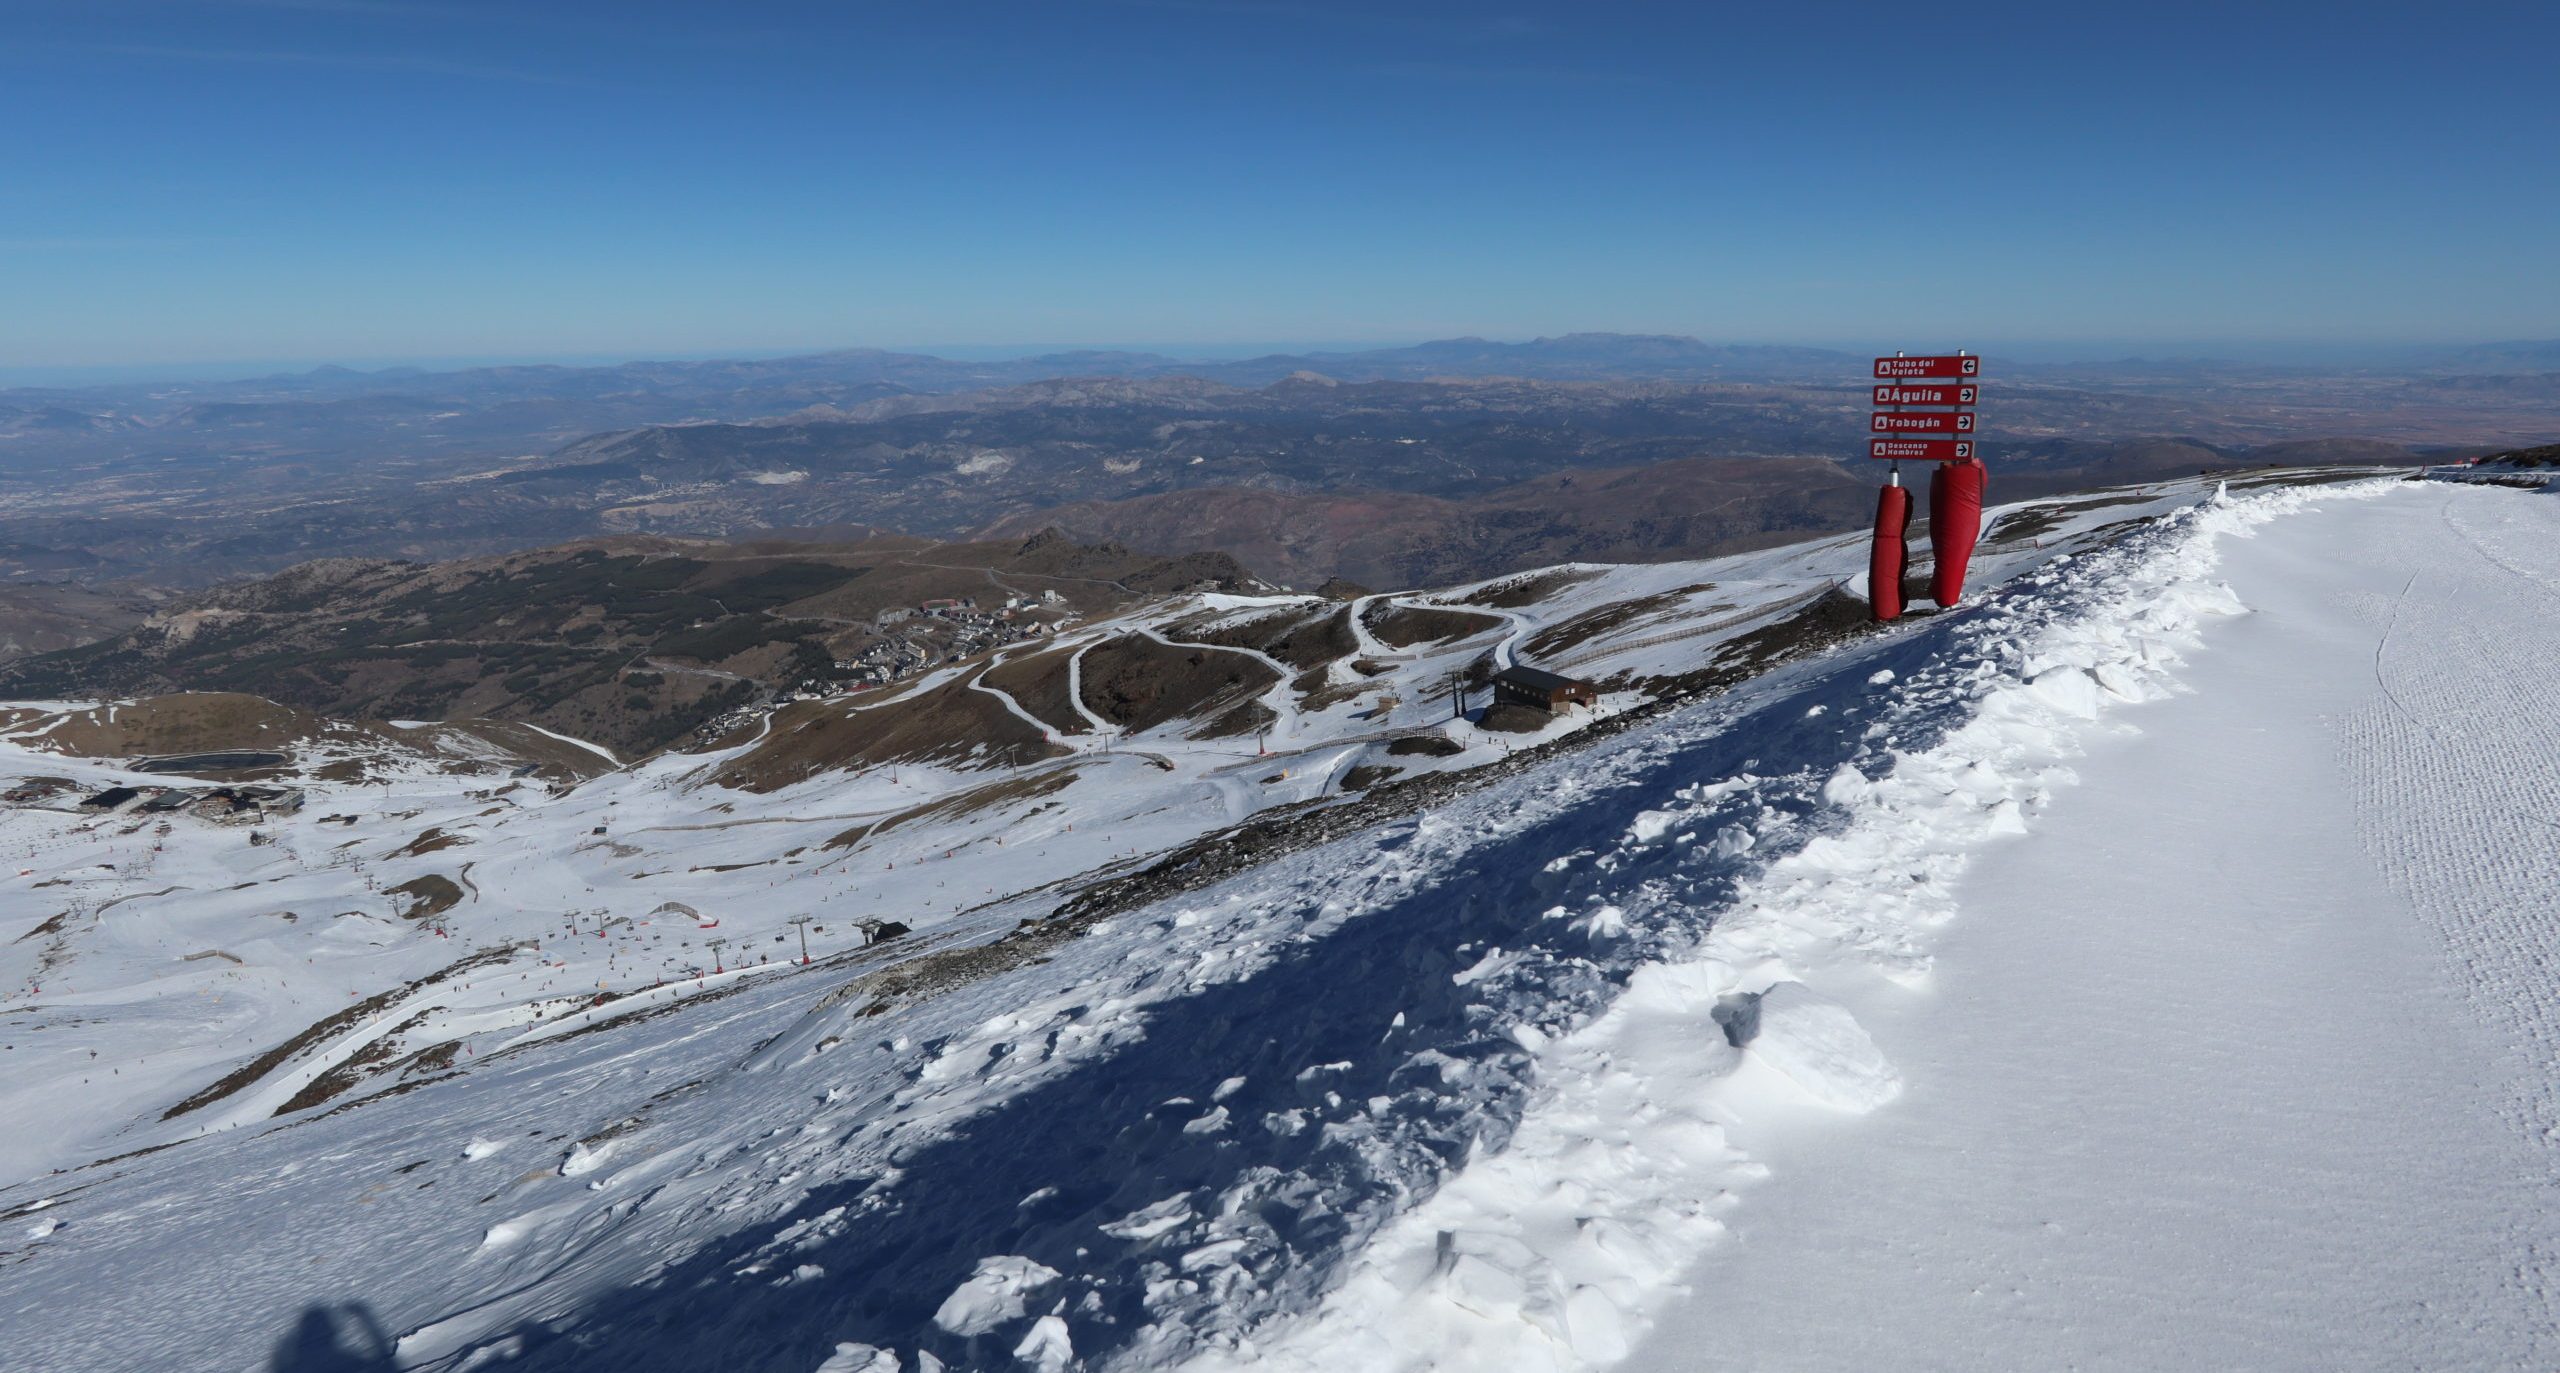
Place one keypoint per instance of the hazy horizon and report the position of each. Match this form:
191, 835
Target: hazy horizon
241, 183
2243, 352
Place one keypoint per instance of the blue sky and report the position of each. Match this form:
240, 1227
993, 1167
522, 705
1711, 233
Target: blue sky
231, 180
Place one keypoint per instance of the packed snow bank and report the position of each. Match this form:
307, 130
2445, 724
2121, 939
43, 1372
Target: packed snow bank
1557, 1251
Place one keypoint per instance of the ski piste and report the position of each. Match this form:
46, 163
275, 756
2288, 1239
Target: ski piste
1439, 1092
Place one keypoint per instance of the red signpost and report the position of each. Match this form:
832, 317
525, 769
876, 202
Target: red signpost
1926, 395
1929, 368
1955, 487
1921, 422
1920, 450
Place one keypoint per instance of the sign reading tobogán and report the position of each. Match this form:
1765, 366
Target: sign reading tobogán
1921, 422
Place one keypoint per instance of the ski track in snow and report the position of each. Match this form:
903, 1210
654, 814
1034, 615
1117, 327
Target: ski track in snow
2190, 1090
978, 683
598, 750
2476, 860
1281, 699
1075, 691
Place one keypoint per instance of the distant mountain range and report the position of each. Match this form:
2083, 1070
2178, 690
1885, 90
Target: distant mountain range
190, 484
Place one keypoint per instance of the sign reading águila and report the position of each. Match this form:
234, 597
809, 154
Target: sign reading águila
1920, 423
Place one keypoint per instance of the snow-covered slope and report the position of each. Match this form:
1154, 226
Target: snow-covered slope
429, 903
2245, 1058
1455, 1088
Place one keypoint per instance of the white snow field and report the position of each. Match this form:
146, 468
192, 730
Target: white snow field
2245, 1058
2125, 970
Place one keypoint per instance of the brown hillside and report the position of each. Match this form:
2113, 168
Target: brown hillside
947, 724
1137, 683
1694, 507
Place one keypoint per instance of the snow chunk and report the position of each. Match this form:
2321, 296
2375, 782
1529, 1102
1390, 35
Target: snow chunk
1607, 922
859, 1358
1822, 1049
1150, 1222
998, 1292
1215, 1254
1653, 824
1848, 786
1047, 1347
2069, 690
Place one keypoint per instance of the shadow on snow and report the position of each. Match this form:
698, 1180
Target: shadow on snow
1035, 1174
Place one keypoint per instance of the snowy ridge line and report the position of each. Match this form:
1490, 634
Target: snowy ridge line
1555, 1252
1234, 1091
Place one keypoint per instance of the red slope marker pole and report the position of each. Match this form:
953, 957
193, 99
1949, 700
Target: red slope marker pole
1891, 554
1955, 523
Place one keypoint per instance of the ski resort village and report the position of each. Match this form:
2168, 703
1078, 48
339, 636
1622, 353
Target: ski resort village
1577, 969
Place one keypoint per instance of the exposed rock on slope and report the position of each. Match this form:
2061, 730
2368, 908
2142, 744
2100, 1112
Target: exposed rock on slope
632, 643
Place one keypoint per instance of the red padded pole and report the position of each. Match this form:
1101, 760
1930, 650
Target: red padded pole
1890, 554
1955, 522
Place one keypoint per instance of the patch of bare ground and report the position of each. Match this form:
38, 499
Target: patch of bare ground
1429, 745
318, 1032
2028, 525
1138, 683
947, 723
1503, 717
428, 896
433, 840
1559, 639
1823, 624
1317, 691
1368, 775
57, 942
961, 805
191, 722
1038, 683
1831, 618
554, 757
1306, 638
1829, 621
1528, 588
433, 1063
379, 1057
1245, 717
354, 1068
1407, 626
